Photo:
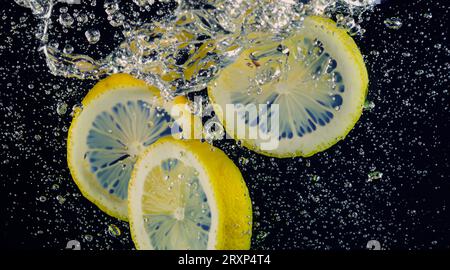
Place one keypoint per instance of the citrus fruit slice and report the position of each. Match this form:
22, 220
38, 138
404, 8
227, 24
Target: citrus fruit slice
120, 116
318, 79
188, 195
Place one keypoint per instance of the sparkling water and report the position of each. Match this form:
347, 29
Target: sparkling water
385, 186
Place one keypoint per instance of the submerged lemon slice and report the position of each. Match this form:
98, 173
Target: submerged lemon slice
120, 117
317, 78
188, 195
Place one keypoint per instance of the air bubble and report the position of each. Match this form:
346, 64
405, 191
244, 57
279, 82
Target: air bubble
374, 175
88, 237
82, 18
114, 231
68, 49
393, 23
61, 108
92, 36
428, 15
369, 105
243, 161
60, 199
66, 20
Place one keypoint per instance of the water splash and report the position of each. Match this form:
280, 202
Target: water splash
187, 47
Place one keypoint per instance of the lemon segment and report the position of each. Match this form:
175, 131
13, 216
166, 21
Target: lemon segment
317, 78
119, 118
188, 195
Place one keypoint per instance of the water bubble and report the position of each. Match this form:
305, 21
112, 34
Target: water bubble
41, 33
60, 199
428, 15
66, 20
368, 105
92, 35
374, 175
393, 23
82, 18
375, 53
76, 108
114, 231
243, 161
116, 19
42, 199
406, 54
63, 9
111, 6
88, 237
419, 72
68, 49
411, 212
61, 108
261, 236
315, 178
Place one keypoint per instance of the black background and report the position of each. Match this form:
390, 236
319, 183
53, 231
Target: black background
405, 137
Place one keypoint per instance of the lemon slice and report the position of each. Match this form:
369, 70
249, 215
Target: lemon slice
317, 78
188, 195
120, 116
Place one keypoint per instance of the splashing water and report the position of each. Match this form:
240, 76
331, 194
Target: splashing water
184, 50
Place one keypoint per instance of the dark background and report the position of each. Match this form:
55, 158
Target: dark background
405, 137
